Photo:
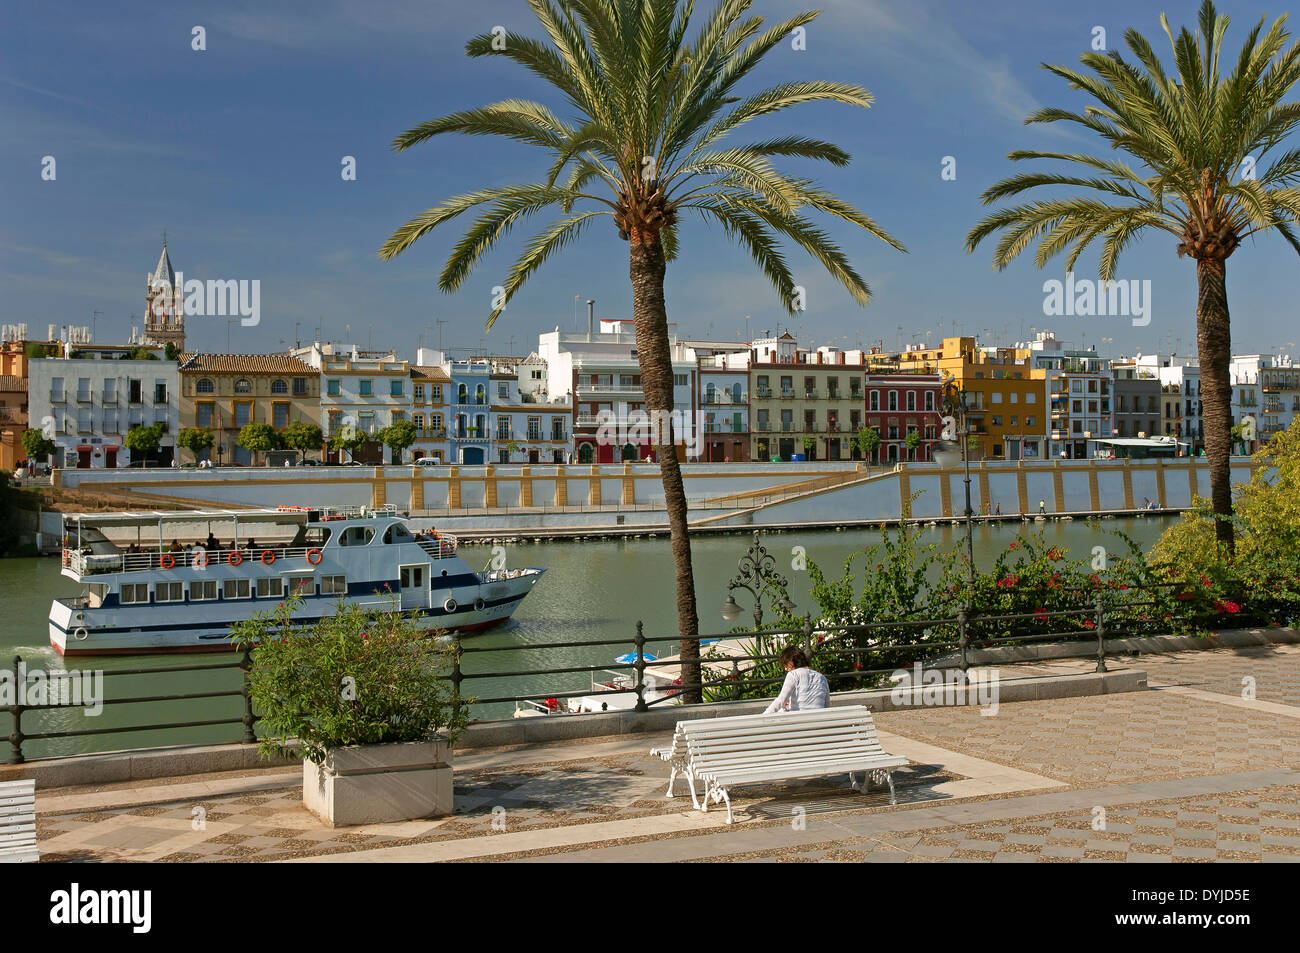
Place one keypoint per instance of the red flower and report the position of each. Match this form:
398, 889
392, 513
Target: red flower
1205, 581
1040, 614
1223, 605
1089, 624
1014, 546
857, 666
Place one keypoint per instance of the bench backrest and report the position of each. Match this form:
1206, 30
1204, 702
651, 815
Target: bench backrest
805, 735
18, 820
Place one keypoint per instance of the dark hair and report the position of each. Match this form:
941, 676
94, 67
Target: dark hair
793, 655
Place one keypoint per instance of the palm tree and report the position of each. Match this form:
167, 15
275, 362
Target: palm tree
1198, 138
650, 112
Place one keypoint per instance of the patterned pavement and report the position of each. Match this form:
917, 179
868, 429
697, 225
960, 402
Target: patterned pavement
1159, 760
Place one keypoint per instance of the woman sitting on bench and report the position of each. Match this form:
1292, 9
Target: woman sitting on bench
803, 689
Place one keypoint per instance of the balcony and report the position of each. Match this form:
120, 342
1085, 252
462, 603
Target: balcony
626, 389
810, 395
467, 437
764, 393
725, 398
787, 394
787, 428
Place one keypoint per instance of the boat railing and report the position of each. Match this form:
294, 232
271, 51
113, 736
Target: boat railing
441, 546
193, 557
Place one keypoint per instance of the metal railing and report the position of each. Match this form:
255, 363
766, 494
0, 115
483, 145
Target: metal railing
853, 656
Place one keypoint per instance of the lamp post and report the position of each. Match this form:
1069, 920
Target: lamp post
950, 453
754, 570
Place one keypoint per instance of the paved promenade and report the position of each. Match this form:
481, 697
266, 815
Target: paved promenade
1205, 766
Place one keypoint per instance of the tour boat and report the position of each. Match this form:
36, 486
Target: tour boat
176, 581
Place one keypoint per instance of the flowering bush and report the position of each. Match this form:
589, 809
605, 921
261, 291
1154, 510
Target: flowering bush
357, 677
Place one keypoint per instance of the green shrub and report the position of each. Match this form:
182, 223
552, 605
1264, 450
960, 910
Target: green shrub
358, 677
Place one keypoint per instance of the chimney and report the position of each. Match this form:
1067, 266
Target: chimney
591, 317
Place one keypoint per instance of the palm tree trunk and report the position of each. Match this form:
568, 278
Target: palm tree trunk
1214, 346
647, 267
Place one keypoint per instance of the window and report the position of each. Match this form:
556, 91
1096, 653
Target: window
302, 584
132, 387
557, 428
243, 386
270, 587
300, 387
435, 422
893, 400
365, 388
911, 400
435, 393
169, 592
83, 420
1029, 421
997, 397
397, 533
357, 536
503, 428
479, 394
366, 421
110, 421
56, 388
394, 388
997, 421
202, 590
875, 400
534, 428
503, 389
332, 388
134, 593
680, 380
333, 585
279, 415
204, 386
243, 413
110, 390
235, 589
278, 386
929, 400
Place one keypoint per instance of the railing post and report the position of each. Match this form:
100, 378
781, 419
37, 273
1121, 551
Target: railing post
16, 733
807, 634
456, 676
1101, 632
962, 637
246, 666
640, 667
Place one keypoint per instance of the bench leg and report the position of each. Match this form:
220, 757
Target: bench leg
727, 799
853, 780
690, 779
890, 778
672, 776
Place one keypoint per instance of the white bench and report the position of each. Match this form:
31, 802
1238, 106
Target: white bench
18, 822
724, 752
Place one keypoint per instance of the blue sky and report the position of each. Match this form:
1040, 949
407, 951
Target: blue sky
236, 152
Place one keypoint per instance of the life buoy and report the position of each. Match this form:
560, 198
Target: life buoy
167, 561
479, 605
235, 558
449, 605
80, 633
268, 557
317, 554
201, 554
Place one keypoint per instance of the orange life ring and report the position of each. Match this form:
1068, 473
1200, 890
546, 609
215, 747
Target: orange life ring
204, 554
268, 557
235, 557
317, 554
167, 561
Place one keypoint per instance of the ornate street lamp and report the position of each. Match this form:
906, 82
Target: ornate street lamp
950, 452
756, 569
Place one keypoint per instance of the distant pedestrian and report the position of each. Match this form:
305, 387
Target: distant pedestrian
1042, 507
803, 688
997, 508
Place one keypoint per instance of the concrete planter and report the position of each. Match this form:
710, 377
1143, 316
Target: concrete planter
376, 784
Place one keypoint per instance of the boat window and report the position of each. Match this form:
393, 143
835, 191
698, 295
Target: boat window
236, 589
316, 536
203, 589
333, 585
301, 583
134, 593
169, 592
270, 586
357, 536
397, 533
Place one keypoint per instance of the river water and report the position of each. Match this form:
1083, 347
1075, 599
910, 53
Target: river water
592, 590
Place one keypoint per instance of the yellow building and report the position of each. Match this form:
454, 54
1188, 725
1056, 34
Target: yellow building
223, 392
1006, 397
429, 387
13, 403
